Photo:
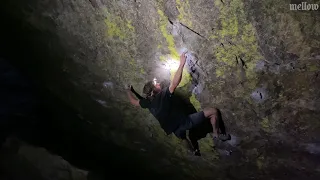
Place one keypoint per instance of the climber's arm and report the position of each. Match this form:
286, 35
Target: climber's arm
178, 75
135, 93
141, 102
132, 99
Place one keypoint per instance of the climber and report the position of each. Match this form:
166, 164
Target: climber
170, 116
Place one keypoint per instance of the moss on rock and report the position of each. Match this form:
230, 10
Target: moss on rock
238, 42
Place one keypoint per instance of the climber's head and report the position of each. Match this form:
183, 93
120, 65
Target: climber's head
151, 88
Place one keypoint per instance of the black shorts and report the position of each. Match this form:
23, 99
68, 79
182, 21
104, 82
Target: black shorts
190, 122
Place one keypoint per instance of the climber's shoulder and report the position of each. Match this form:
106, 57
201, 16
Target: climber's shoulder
144, 103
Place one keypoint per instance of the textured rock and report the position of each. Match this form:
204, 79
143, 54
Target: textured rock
23, 161
256, 61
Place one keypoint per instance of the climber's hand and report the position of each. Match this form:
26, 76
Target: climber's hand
183, 58
129, 87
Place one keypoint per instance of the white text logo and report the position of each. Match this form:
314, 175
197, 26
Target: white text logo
304, 6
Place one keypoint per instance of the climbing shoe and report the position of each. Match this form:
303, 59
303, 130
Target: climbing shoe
224, 137
197, 152
187, 145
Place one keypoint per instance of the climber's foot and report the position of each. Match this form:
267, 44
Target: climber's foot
197, 152
224, 137
187, 144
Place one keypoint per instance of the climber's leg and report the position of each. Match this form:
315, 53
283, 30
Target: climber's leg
216, 121
181, 134
194, 141
211, 113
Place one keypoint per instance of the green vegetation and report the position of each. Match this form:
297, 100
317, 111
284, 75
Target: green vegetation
260, 162
183, 7
118, 27
238, 40
313, 68
169, 38
195, 102
265, 124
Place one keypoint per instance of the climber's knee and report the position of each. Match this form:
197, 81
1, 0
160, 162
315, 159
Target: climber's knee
209, 112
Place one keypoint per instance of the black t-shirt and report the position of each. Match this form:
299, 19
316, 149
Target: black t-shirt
162, 107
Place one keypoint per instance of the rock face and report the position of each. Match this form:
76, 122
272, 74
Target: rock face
22, 161
257, 61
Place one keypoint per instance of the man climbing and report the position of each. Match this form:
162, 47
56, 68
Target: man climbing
171, 117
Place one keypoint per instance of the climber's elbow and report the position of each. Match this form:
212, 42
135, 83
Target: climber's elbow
135, 102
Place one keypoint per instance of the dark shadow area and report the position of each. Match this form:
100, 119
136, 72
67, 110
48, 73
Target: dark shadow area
40, 118
30, 110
